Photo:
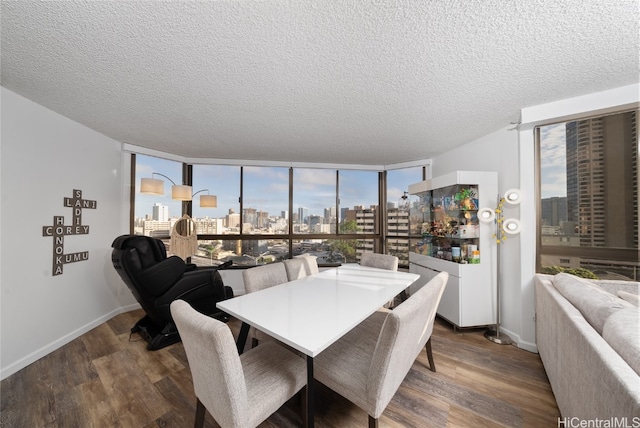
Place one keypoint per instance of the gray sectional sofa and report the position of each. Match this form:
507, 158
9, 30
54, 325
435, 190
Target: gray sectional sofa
588, 337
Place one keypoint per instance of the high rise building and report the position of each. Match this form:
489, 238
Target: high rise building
344, 214
250, 216
330, 212
303, 213
262, 219
160, 212
366, 220
232, 220
313, 220
554, 211
398, 233
602, 153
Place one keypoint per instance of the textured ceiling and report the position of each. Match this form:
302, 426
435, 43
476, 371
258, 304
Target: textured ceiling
363, 82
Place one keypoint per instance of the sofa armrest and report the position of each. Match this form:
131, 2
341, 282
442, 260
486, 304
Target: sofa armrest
588, 378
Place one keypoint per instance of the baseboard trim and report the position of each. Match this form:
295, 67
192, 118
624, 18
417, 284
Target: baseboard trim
49, 348
522, 344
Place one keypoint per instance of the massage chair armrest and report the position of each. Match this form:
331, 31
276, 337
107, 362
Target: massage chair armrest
204, 277
159, 278
202, 289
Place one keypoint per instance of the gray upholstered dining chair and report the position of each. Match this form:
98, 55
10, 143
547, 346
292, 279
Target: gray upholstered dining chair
381, 261
310, 262
368, 364
258, 278
295, 268
238, 390
301, 266
265, 276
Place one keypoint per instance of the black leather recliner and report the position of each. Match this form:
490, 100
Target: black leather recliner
156, 281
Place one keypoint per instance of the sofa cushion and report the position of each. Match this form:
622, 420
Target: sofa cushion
634, 299
595, 304
615, 286
622, 333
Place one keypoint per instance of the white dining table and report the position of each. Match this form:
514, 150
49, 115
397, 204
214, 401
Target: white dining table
311, 313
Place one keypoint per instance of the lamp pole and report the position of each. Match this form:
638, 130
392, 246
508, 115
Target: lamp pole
494, 334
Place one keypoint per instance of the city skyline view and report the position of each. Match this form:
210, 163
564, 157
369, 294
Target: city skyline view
267, 188
589, 194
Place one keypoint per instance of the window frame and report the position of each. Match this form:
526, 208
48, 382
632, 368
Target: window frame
379, 236
627, 256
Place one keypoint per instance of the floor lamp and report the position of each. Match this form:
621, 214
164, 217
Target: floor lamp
503, 227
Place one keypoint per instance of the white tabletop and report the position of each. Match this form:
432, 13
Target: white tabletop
311, 313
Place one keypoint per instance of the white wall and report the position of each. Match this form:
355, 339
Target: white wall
44, 156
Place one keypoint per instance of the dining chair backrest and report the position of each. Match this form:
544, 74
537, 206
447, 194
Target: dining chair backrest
295, 268
218, 378
239, 391
381, 261
265, 276
311, 263
404, 334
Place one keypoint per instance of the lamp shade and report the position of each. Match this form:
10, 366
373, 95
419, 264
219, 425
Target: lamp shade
513, 196
208, 201
152, 186
181, 192
511, 226
486, 215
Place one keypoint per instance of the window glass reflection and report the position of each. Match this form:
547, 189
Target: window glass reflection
358, 195
154, 215
314, 201
223, 182
265, 200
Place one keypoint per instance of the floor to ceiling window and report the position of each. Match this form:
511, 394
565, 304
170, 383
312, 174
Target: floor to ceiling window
314, 201
265, 214
397, 231
223, 181
265, 198
153, 212
588, 176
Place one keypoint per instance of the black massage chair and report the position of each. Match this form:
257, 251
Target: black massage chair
156, 281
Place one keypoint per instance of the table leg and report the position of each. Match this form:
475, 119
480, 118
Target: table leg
310, 393
242, 337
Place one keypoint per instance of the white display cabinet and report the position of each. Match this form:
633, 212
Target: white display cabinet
446, 235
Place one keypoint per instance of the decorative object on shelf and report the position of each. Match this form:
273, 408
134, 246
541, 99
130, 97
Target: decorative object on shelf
503, 227
58, 231
453, 222
465, 199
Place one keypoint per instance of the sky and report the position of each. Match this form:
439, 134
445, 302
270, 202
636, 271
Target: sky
267, 188
553, 160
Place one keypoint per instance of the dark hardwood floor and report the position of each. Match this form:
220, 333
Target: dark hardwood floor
104, 379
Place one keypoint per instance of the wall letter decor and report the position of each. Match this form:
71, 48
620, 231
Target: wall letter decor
58, 231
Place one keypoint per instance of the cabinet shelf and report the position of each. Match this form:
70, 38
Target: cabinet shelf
446, 235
